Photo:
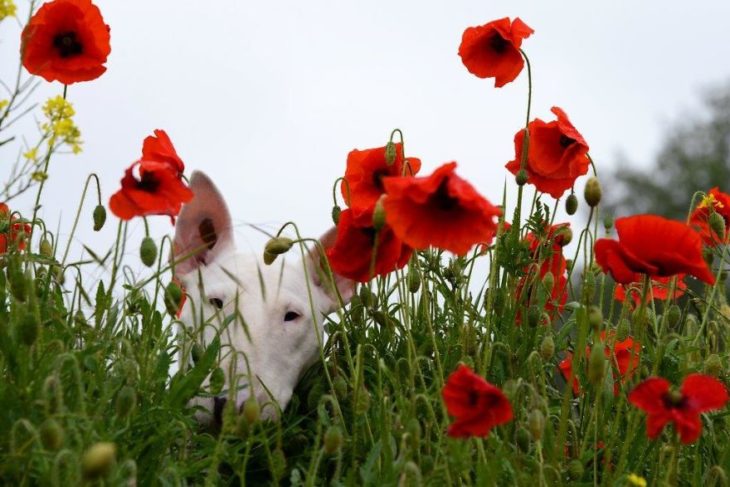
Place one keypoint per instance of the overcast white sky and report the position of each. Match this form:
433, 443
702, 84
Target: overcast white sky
269, 97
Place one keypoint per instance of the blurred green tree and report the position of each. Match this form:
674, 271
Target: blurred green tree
695, 155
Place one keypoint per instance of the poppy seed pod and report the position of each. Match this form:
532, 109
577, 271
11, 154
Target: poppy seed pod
571, 204
717, 224
521, 177
99, 217
592, 192
148, 251
98, 460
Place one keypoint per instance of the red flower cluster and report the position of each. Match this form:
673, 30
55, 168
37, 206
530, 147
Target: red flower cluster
14, 233
158, 188
67, 41
548, 254
624, 361
440, 210
352, 254
698, 394
557, 154
659, 289
477, 405
357, 239
718, 202
492, 50
654, 246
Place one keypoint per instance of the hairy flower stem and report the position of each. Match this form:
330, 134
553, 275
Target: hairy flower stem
78, 213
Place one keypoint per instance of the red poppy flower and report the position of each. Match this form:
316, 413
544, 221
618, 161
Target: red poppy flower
698, 393
492, 50
624, 360
477, 405
366, 170
441, 210
66, 41
159, 148
19, 233
699, 219
351, 255
652, 245
157, 191
659, 289
556, 157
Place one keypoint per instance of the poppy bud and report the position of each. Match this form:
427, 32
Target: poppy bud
148, 251
521, 178
674, 314
251, 410
332, 439
379, 214
98, 460
717, 224
713, 365
596, 365
522, 438
589, 287
607, 223
547, 347
592, 192
414, 281
126, 401
534, 315
276, 246
575, 470
51, 434
217, 380
363, 401
18, 281
80, 319
536, 423
196, 352
595, 317
390, 153
571, 204
716, 476
99, 217
173, 298
242, 427
45, 248
53, 394
29, 328
548, 281
368, 298
563, 236
278, 463
623, 330
336, 212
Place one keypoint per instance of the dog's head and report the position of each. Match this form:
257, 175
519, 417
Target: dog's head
268, 317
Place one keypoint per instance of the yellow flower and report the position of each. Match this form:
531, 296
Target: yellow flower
636, 480
60, 125
7, 9
32, 154
4, 103
709, 201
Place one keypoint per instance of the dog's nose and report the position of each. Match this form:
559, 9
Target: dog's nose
218, 405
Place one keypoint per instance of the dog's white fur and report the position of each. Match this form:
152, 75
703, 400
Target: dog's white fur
273, 301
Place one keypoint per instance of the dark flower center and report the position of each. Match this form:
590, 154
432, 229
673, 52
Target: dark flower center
674, 400
566, 141
370, 233
473, 398
148, 182
498, 43
67, 45
442, 200
378, 179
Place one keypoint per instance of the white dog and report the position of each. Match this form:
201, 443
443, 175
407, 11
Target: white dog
271, 302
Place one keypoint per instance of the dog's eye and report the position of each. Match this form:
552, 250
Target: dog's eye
291, 316
217, 302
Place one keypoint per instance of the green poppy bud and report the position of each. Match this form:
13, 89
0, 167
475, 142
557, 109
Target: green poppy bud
251, 410
332, 439
173, 298
99, 217
126, 401
592, 192
607, 223
717, 225
390, 153
674, 314
713, 365
51, 434
336, 212
596, 364
521, 178
522, 438
379, 214
18, 280
575, 470
217, 380
547, 347
45, 248
536, 424
571, 204
548, 281
275, 247
623, 330
196, 352
595, 317
29, 328
339, 384
148, 251
414, 281
98, 460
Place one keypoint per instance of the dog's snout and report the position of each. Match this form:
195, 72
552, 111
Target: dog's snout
218, 404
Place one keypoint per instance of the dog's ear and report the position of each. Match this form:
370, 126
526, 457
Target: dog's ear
203, 230
316, 261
